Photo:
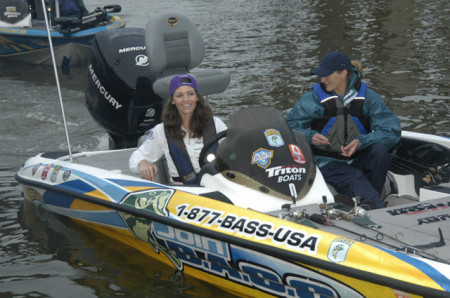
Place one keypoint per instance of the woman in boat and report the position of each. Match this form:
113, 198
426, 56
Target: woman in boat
188, 123
350, 127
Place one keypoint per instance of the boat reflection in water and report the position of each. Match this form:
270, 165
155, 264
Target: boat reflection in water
76, 251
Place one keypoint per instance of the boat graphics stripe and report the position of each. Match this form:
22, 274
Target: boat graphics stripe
268, 246
273, 251
110, 218
432, 272
134, 183
81, 181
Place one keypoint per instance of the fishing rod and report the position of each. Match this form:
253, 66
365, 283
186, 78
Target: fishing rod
333, 213
429, 173
321, 219
57, 79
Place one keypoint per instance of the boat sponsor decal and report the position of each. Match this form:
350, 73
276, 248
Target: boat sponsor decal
141, 60
131, 49
244, 266
262, 157
108, 97
418, 208
338, 250
6, 41
172, 21
55, 174
433, 219
66, 174
35, 168
154, 201
273, 137
252, 228
286, 173
11, 12
45, 171
297, 154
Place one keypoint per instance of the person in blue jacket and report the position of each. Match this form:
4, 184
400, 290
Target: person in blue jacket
350, 128
69, 8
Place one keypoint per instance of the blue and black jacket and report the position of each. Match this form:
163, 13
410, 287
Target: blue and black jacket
180, 156
381, 124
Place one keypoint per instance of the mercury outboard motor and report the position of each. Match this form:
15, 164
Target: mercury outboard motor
119, 91
130, 70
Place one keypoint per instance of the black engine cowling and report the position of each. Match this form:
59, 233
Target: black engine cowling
261, 152
119, 92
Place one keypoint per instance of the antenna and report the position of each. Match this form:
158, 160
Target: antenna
57, 79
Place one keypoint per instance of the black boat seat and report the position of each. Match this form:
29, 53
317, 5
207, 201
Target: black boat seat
209, 81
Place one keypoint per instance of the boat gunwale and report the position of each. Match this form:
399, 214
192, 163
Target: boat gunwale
31, 32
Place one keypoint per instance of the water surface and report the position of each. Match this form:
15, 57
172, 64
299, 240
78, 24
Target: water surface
269, 47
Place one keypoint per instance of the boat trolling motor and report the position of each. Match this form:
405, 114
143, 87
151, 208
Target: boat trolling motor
130, 69
69, 25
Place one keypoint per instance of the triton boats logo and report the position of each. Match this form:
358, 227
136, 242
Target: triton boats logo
286, 173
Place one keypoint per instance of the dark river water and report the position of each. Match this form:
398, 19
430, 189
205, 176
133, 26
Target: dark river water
269, 47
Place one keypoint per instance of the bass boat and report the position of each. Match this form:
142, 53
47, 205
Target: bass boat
23, 34
261, 221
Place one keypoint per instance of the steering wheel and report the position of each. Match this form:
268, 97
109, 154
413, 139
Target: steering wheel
202, 158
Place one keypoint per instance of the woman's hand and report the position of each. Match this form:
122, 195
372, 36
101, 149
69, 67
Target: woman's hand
320, 140
148, 170
350, 149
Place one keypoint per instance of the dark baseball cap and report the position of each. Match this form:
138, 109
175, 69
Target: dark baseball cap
331, 62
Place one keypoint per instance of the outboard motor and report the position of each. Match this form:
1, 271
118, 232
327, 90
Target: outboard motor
14, 13
119, 91
261, 152
130, 70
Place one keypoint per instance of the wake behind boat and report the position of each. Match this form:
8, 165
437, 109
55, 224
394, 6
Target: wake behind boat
23, 34
262, 221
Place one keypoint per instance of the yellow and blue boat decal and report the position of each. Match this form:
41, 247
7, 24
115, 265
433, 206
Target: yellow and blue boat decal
245, 249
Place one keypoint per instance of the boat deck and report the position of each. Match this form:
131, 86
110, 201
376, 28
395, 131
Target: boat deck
412, 227
117, 161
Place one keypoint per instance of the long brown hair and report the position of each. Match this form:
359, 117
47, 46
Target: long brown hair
201, 118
